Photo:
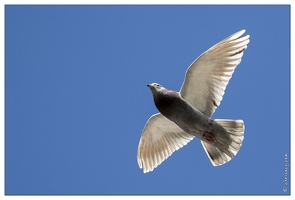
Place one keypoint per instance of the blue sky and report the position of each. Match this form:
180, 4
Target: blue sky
76, 99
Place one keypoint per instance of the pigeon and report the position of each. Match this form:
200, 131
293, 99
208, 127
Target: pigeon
186, 114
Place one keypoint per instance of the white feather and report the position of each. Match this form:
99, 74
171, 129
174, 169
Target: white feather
160, 138
208, 76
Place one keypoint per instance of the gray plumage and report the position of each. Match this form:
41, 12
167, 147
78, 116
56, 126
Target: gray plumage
186, 114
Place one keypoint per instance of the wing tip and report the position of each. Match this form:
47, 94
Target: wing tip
242, 31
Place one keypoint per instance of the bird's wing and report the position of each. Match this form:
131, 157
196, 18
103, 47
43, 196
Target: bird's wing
159, 139
207, 77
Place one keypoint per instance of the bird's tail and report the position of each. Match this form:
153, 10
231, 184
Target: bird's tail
227, 137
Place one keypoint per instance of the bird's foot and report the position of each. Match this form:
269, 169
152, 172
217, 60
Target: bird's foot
207, 136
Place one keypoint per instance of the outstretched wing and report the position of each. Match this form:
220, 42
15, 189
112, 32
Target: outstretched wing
208, 76
159, 139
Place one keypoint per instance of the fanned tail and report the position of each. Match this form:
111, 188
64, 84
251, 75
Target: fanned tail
228, 137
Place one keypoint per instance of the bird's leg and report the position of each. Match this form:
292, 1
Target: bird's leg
207, 135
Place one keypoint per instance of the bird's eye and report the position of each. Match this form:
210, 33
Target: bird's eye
157, 85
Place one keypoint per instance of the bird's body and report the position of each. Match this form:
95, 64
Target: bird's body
175, 108
187, 114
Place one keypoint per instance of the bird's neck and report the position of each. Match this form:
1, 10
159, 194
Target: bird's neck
164, 101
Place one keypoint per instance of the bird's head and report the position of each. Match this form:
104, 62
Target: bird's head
156, 88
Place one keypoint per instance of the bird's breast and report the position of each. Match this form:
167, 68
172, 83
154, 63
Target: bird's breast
179, 111
167, 104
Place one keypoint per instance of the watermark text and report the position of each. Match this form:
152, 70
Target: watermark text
286, 173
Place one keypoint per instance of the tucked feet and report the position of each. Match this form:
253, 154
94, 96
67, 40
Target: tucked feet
207, 136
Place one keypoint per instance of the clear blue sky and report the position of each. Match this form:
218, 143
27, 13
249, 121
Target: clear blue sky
76, 99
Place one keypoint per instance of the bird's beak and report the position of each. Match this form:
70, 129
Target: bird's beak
149, 85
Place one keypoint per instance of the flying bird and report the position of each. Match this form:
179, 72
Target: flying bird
186, 114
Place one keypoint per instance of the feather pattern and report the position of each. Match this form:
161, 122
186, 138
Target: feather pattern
160, 138
208, 76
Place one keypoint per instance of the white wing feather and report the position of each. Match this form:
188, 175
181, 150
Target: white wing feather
160, 138
208, 76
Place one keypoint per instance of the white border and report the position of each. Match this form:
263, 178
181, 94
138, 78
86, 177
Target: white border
199, 2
